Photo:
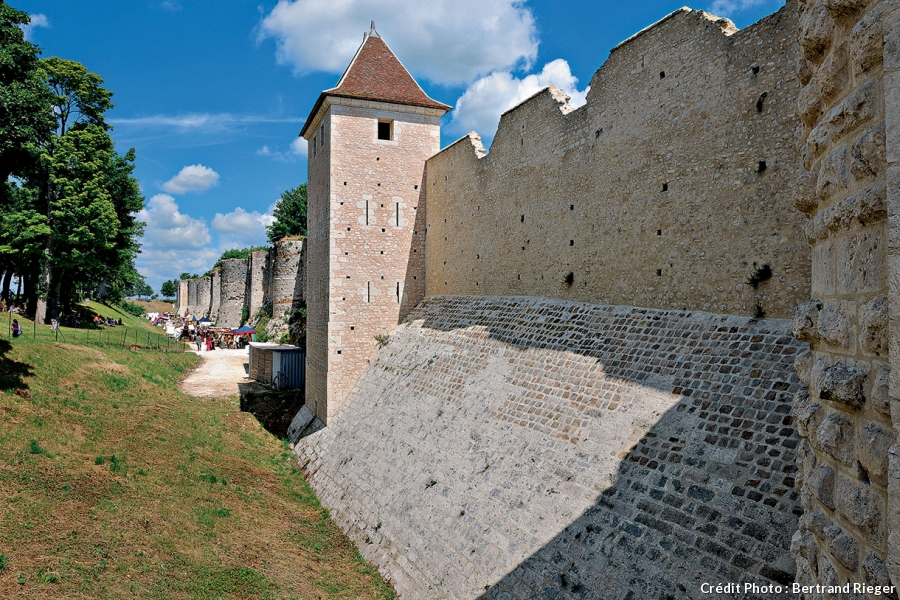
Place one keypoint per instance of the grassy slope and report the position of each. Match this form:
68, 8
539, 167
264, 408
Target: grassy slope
115, 484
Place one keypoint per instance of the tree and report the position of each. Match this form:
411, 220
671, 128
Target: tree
169, 289
290, 215
25, 116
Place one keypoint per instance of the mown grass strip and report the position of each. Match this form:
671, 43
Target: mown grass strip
115, 484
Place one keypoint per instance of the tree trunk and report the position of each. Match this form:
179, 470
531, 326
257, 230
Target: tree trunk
7, 280
30, 294
41, 314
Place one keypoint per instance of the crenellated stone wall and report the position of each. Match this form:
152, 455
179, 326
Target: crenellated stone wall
670, 188
848, 531
204, 295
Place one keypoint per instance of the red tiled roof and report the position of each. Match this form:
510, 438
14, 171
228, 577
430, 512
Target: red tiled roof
376, 74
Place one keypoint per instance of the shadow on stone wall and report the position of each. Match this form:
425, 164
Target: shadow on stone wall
706, 495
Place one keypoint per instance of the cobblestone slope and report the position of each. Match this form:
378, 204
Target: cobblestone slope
532, 445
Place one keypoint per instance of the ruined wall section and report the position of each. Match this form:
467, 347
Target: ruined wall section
284, 277
532, 444
664, 190
845, 418
255, 292
181, 299
216, 294
204, 296
233, 273
192, 294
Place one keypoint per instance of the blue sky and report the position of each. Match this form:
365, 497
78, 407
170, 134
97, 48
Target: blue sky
213, 95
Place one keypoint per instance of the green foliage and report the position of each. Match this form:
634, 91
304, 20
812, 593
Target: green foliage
383, 339
169, 289
133, 309
184, 276
290, 215
35, 448
4, 562
25, 117
245, 314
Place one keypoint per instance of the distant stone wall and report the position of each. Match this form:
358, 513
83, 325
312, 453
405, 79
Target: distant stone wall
233, 273
284, 276
667, 189
255, 275
204, 296
181, 298
850, 529
216, 300
541, 445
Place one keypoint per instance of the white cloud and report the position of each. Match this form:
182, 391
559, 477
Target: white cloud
193, 178
37, 20
480, 107
726, 8
201, 121
171, 6
300, 147
241, 229
446, 41
168, 228
297, 148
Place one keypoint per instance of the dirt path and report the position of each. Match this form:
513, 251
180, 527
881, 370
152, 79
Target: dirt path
218, 375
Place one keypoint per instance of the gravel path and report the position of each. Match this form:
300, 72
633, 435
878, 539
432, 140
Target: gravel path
218, 374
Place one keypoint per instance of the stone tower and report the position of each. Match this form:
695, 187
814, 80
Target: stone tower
368, 139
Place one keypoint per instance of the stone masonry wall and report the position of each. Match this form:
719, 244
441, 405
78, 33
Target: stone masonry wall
284, 276
667, 189
216, 299
181, 300
204, 295
531, 444
255, 276
233, 273
845, 417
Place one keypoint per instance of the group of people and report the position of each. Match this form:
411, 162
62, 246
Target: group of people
204, 341
109, 321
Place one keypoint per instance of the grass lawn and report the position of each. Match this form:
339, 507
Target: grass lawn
114, 484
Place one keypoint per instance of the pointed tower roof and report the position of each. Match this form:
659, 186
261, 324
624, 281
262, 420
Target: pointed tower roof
376, 74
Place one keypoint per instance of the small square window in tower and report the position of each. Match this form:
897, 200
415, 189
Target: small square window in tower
385, 129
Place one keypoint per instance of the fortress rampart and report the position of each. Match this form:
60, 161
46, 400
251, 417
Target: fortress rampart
668, 189
272, 280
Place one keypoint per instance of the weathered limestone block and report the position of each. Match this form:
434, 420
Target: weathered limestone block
875, 572
867, 42
822, 484
803, 365
809, 415
862, 506
834, 73
804, 321
805, 71
816, 30
805, 198
828, 575
842, 546
868, 154
873, 324
824, 276
844, 8
834, 323
856, 211
836, 437
834, 174
874, 442
809, 103
880, 398
843, 383
857, 108
862, 259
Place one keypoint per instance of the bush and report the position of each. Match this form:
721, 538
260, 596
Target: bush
133, 309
